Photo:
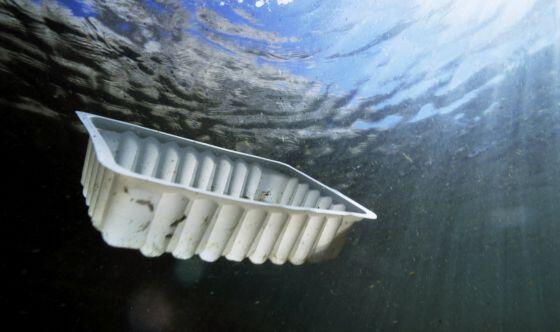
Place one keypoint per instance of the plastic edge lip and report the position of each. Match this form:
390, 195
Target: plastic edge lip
105, 158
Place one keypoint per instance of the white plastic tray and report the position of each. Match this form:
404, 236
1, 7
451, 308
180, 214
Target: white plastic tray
159, 193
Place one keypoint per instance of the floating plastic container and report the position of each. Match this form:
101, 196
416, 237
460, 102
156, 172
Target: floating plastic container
160, 193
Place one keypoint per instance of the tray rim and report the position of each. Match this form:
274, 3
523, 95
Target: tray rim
105, 157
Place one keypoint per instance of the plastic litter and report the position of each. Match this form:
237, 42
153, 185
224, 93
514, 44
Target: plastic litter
160, 193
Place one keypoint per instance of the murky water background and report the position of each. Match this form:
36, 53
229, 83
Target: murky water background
442, 117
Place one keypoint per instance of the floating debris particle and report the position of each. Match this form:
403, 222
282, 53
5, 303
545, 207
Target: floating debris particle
407, 157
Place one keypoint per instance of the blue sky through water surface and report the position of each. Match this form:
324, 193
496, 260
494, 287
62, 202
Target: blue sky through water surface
381, 53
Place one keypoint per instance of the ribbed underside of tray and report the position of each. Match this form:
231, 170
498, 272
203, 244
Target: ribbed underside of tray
133, 213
